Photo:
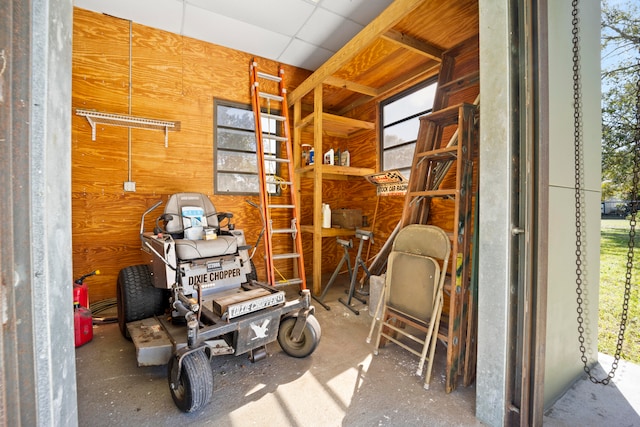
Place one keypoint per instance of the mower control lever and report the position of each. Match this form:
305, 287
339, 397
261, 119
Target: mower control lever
183, 310
158, 203
190, 304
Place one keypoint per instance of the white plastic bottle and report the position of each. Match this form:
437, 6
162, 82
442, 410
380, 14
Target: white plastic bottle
329, 157
326, 215
345, 158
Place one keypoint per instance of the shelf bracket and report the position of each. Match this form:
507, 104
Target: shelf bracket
96, 117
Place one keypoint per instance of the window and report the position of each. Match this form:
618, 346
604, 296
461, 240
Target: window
236, 162
400, 122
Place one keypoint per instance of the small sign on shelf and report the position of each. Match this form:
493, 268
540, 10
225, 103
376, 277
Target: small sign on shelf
389, 183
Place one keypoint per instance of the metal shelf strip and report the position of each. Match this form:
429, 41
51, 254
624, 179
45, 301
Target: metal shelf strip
96, 117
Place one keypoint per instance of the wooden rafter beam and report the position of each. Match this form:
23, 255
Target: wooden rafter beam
353, 87
380, 25
416, 75
415, 45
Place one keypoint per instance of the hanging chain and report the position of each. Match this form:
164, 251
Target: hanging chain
577, 133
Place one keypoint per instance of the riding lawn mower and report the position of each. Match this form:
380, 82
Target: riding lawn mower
197, 296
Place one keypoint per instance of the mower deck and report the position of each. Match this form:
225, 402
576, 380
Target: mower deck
252, 316
154, 339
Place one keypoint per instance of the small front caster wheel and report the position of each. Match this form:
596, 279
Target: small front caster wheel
192, 386
306, 344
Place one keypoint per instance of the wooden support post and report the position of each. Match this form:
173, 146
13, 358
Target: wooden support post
317, 190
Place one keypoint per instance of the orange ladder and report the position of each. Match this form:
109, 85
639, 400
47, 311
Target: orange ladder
278, 195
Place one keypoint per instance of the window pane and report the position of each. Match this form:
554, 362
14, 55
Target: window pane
401, 123
270, 168
236, 139
237, 183
420, 100
399, 158
270, 145
230, 161
236, 162
406, 172
235, 117
401, 133
270, 126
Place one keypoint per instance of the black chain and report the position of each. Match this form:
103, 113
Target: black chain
577, 133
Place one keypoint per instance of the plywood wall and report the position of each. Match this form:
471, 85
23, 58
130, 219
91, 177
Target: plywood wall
172, 78
126, 68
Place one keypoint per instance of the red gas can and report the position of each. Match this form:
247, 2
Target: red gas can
81, 295
83, 325
82, 318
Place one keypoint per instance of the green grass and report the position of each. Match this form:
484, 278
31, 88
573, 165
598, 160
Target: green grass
614, 240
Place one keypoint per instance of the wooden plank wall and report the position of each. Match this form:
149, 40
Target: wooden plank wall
177, 78
172, 78
357, 193
351, 193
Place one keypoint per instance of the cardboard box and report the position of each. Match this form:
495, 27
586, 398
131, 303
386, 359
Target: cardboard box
210, 234
346, 218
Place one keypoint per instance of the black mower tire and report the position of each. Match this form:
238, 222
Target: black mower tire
309, 341
137, 298
194, 387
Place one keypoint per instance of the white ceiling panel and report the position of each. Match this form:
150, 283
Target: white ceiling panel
328, 30
208, 26
302, 33
305, 55
162, 14
360, 11
281, 16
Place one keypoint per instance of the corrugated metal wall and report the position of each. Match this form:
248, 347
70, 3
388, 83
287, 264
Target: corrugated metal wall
37, 364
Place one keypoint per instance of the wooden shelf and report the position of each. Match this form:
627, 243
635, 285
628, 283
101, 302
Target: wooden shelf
321, 125
339, 126
328, 232
335, 172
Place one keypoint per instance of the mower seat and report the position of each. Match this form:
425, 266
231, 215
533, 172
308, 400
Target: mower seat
194, 249
187, 249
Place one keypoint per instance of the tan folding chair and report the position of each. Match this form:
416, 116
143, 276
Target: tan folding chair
413, 292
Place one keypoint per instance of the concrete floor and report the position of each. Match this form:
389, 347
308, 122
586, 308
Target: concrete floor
588, 404
340, 384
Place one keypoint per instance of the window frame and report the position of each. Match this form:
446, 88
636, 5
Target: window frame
217, 102
402, 94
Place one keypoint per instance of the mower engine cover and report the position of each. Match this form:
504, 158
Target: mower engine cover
212, 274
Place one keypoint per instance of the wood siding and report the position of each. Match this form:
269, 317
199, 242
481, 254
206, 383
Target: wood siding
177, 78
173, 78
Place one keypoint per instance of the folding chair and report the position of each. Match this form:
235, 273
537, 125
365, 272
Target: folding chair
413, 292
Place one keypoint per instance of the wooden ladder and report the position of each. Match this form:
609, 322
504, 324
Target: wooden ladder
281, 219
446, 143
423, 186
